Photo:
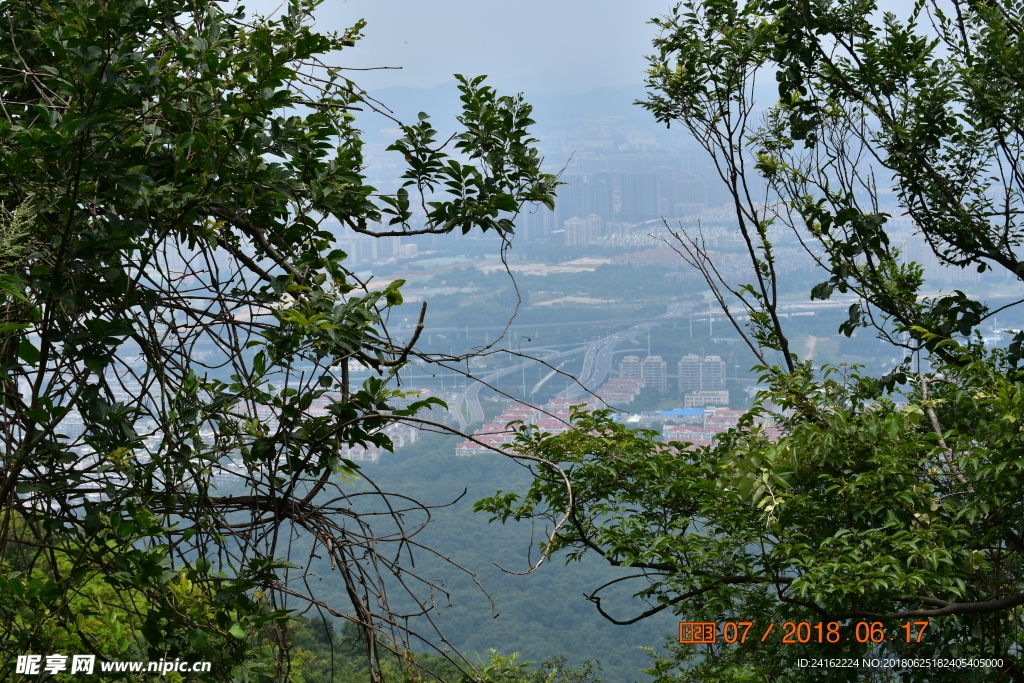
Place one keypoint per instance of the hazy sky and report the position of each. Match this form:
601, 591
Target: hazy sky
544, 47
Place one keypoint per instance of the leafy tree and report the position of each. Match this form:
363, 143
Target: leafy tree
892, 499
176, 329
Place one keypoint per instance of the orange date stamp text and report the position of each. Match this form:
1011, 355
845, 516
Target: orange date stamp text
701, 632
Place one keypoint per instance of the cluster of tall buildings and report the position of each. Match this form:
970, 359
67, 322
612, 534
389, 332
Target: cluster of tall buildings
620, 198
701, 379
363, 249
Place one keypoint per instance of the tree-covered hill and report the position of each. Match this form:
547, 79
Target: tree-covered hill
538, 615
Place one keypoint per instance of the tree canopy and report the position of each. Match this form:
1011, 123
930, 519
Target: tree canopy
891, 500
177, 328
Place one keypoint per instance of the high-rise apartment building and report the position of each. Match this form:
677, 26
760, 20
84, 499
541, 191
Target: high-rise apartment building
586, 195
629, 367
581, 231
713, 378
599, 197
571, 198
701, 374
690, 372
536, 223
639, 197
653, 371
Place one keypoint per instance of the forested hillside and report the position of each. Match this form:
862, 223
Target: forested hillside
540, 615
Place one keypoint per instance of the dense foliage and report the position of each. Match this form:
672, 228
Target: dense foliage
173, 316
318, 653
891, 499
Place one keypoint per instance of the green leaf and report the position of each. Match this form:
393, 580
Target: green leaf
27, 352
13, 287
259, 363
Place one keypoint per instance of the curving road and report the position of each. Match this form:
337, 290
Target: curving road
471, 399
